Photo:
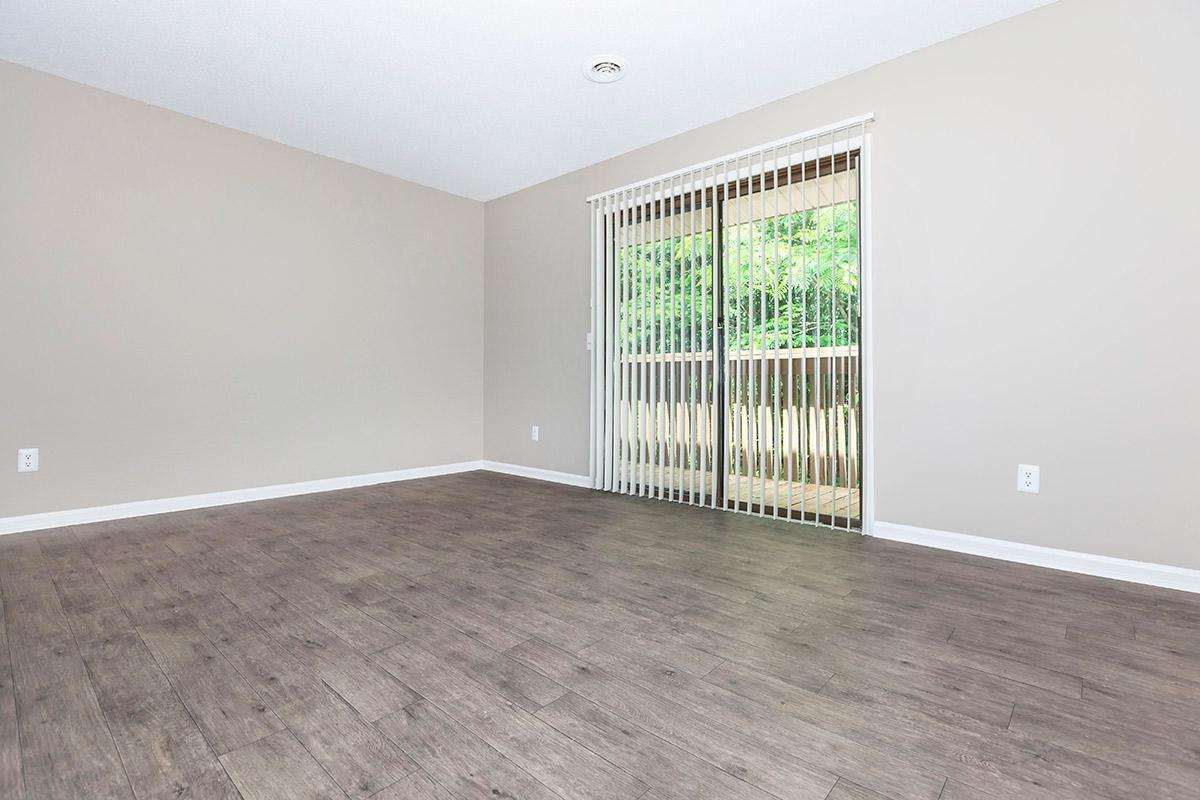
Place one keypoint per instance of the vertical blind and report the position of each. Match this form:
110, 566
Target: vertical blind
726, 330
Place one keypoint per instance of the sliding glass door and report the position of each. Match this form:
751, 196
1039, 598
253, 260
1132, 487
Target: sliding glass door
727, 319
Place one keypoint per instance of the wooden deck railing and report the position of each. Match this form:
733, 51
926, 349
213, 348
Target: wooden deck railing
816, 431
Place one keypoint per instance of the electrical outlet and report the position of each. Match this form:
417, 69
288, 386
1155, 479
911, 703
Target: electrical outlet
533, 433
27, 459
589, 341
1028, 478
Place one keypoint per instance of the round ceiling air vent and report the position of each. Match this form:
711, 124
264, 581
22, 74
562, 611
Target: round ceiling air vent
604, 69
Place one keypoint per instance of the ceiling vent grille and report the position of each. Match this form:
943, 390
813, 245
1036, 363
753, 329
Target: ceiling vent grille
605, 69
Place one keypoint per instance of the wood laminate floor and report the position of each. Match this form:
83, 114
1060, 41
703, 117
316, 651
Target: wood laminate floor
479, 636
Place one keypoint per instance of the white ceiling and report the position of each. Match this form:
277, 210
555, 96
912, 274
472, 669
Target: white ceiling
478, 98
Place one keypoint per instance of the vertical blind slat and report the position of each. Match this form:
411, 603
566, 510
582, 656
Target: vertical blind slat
690, 252
606, 480
739, 422
761, 400
819, 399
791, 448
777, 422
701, 292
629, 332
652, 410
675, 413
834, 366
640, 384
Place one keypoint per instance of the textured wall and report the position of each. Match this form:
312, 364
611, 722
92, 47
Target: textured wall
185, 308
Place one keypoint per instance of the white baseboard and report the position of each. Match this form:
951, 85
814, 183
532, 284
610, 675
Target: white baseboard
1167, 577
141, 508
569, 478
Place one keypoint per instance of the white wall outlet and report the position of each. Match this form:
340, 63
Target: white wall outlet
1028, 478
27, 459
589, 341
533, 433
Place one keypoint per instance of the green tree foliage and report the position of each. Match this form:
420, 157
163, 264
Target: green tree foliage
791, 278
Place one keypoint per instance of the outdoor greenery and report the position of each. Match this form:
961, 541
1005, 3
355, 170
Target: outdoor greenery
792, 277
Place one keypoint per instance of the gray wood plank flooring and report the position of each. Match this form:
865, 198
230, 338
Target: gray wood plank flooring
483, 636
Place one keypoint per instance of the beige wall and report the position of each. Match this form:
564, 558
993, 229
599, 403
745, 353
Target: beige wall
185, 308
1036, 277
